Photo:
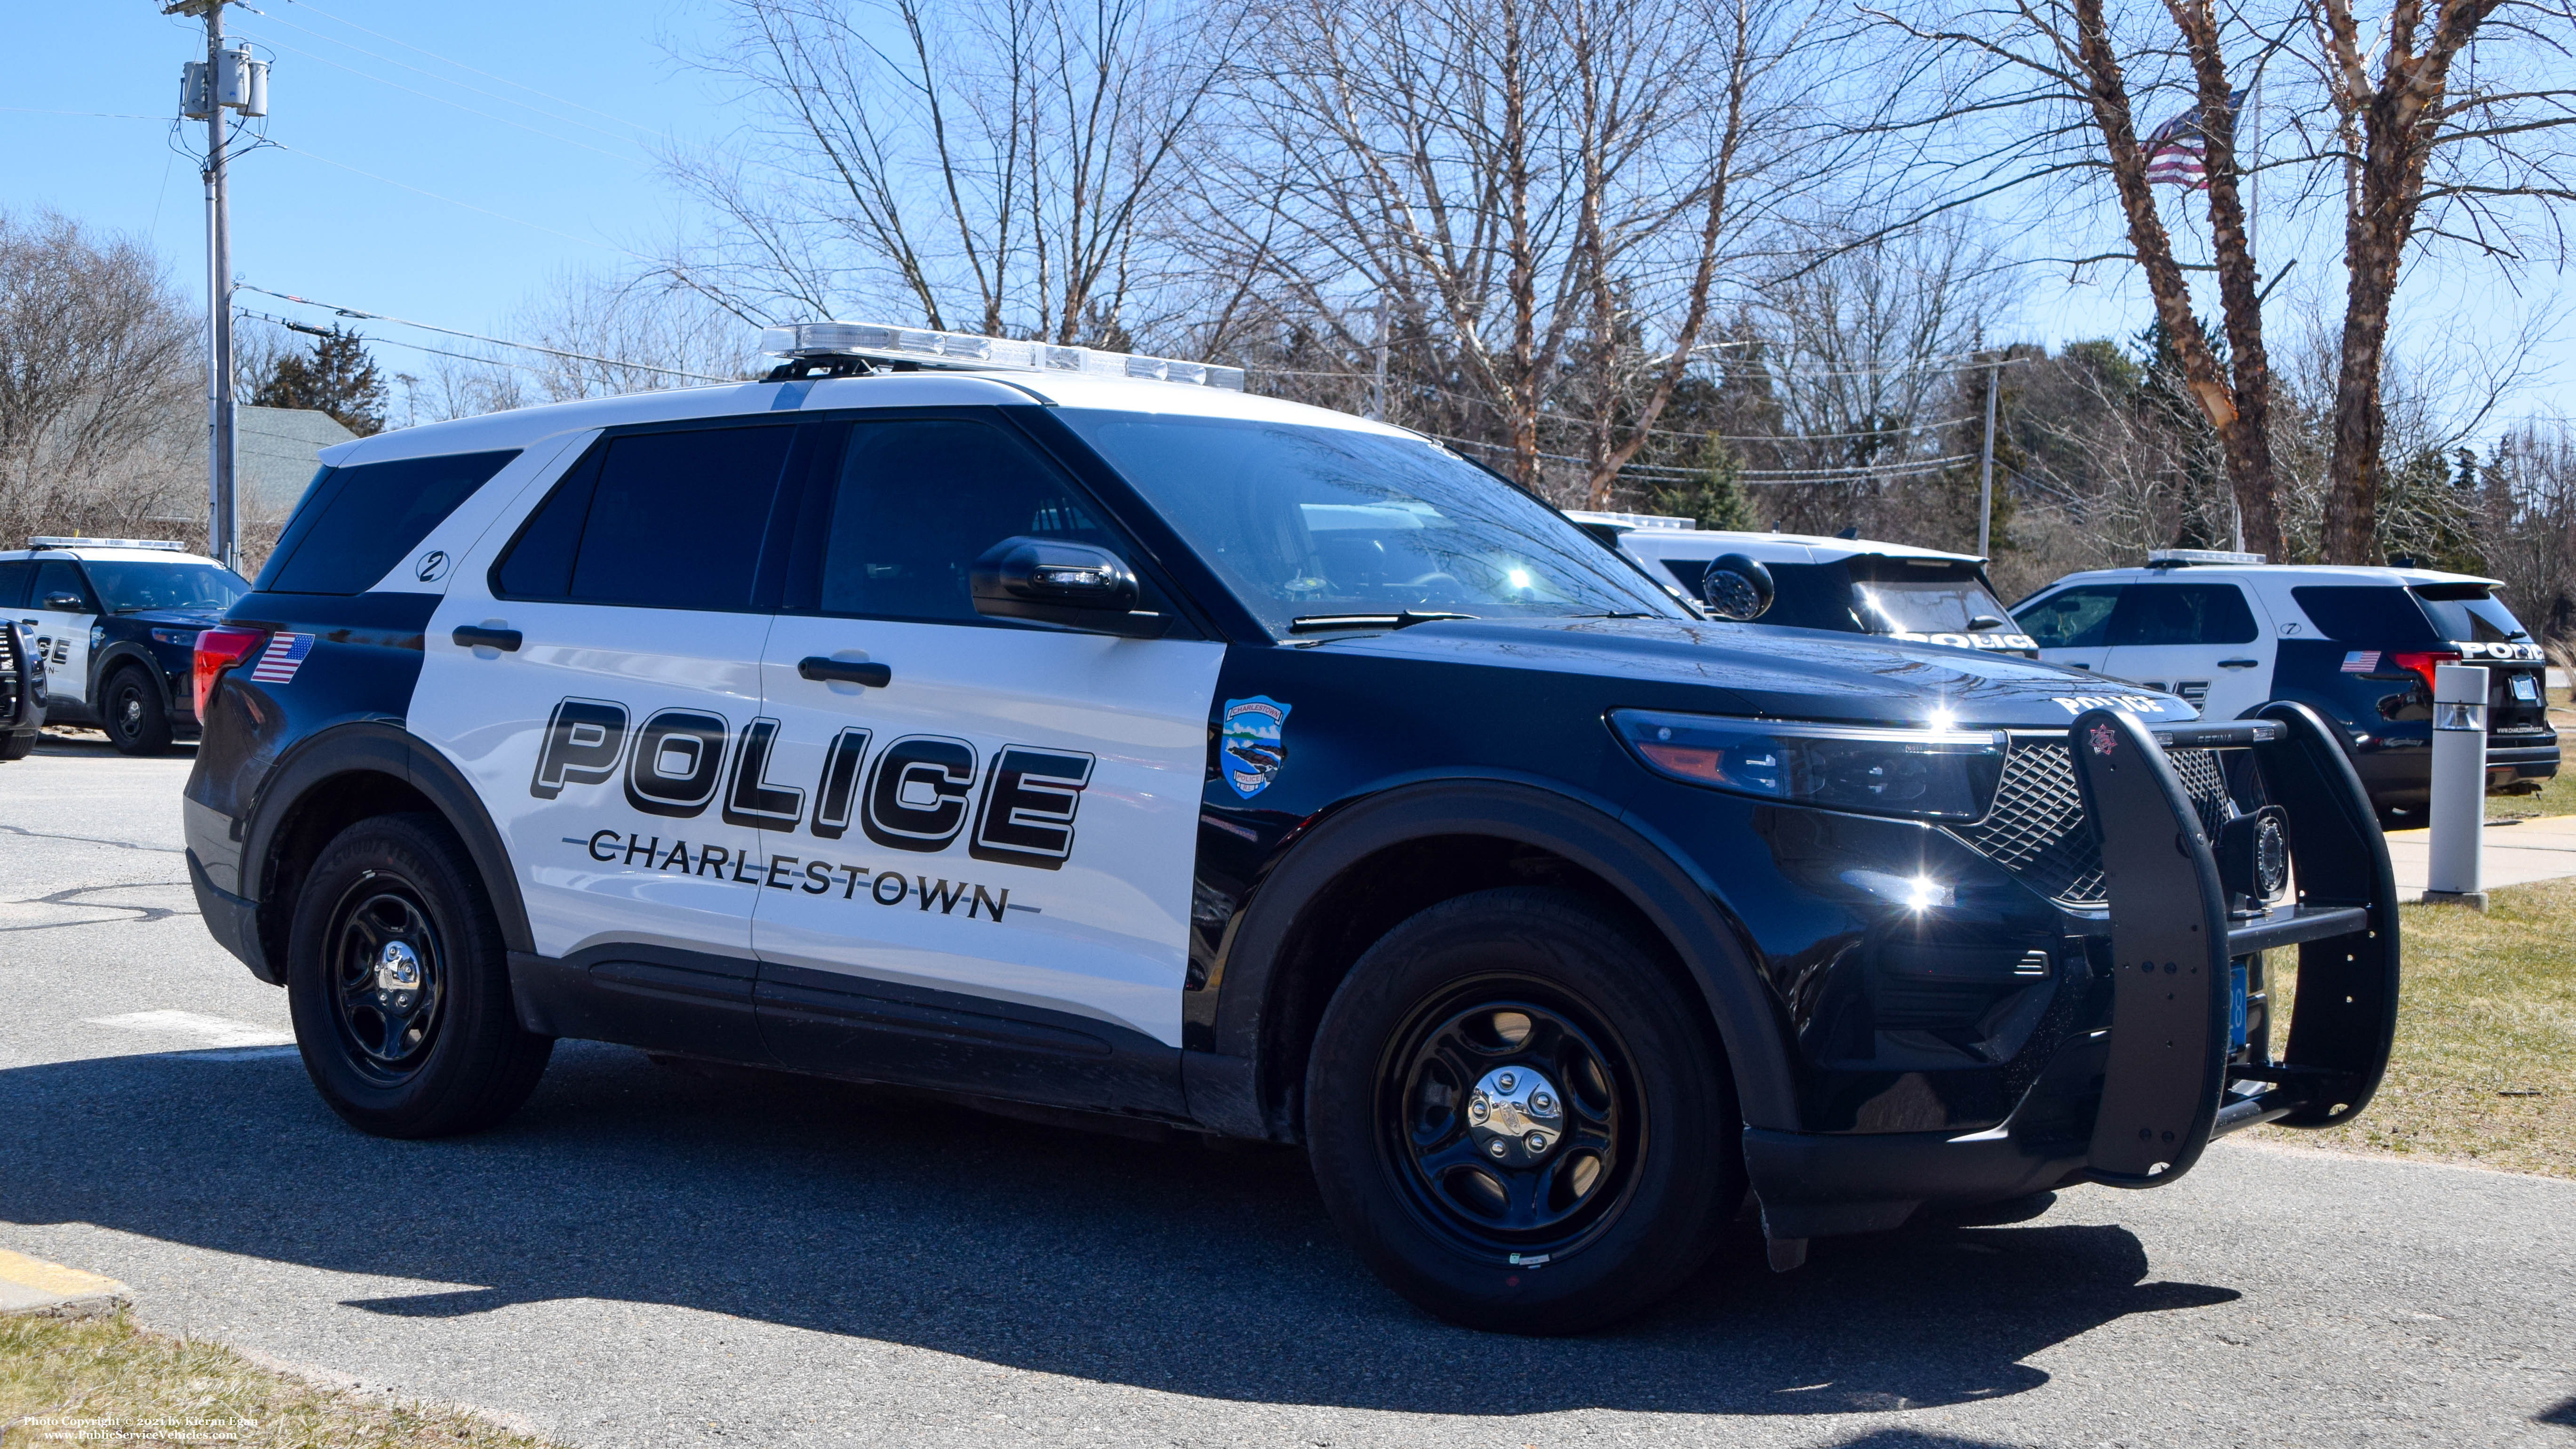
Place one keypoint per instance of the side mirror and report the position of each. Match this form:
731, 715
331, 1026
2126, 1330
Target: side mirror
1049, 581
1987, 622
65, 603
1736, 587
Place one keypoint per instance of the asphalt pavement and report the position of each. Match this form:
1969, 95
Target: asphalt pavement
654, 1257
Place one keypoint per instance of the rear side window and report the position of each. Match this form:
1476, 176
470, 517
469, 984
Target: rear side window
2382, 616
657, 520
2469, 614
2161, 614
2078, 618
356, 523
15, 575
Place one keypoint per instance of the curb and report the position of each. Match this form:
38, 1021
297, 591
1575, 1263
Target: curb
34, 1288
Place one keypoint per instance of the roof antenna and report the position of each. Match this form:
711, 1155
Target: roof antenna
1851, 530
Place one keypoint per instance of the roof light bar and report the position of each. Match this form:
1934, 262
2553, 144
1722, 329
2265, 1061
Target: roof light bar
924, 348
2184, 557
1642, 522
46, 541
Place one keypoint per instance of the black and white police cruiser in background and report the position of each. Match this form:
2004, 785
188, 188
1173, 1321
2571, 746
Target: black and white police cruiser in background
1071, 729
2231, 634
1847, 585
116, 621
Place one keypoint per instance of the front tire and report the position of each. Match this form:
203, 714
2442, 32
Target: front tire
1520, 1117
133, 715
400, 988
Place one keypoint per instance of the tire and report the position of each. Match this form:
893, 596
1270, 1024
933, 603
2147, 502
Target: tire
394, 900
18, 746
131, 712
1497, 984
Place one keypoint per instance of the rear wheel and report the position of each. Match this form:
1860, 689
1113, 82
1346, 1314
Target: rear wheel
132, 714
18, 746
1520, 1118
400, 989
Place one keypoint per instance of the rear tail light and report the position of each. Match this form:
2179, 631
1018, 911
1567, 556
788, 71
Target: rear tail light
217, 650
2422, 662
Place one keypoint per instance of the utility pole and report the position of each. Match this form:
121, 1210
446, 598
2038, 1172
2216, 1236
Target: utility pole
226, 80
1377, 386
1986, 464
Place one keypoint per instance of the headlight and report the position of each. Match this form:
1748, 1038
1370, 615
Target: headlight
1925, 774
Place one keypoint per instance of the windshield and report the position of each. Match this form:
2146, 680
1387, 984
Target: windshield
1905, 598
1307, 523
2469, 614
126, 588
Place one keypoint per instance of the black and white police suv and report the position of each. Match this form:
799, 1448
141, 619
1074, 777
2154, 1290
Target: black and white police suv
1848, 585
116, 620
2359, 646
975, 716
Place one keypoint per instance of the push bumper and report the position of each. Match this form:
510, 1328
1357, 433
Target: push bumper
2135, 1104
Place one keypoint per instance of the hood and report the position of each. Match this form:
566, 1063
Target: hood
1780, 673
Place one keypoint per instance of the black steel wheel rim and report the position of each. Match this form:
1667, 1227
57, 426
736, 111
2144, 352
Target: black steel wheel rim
126, 711
388, 978
1549, 1202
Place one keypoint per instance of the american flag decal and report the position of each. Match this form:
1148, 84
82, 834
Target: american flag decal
2361, 661
283, 656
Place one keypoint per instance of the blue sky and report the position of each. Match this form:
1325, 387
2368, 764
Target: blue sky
415, 186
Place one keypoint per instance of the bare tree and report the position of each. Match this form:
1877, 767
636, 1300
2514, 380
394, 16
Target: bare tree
2433, 128
101, 383
1528, 204
992, 165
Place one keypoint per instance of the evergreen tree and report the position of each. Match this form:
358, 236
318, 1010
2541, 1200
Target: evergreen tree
1715, 499
338, 378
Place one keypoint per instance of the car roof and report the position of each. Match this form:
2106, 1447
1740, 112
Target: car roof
523, 426
106, 555
1707, 543
2293, 574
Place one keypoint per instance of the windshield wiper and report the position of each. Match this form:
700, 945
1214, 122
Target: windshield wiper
1620, 614
1315, 623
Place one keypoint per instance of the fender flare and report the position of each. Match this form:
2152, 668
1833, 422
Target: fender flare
115, 657
384, 747
1677, 901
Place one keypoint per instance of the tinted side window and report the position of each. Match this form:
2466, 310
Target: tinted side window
357, 523
917, 502
2156, 614
658, 520
2383, 616
15, 575
54, 576
2075, 619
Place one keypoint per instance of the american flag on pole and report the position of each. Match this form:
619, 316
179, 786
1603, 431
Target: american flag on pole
2177, 153
283, 656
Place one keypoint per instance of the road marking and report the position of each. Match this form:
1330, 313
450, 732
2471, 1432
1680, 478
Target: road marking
213, 1031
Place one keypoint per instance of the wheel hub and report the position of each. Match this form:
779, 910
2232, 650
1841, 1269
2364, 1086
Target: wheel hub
397, 970
1516, 1115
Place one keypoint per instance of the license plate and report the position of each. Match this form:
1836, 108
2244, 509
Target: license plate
2526, 689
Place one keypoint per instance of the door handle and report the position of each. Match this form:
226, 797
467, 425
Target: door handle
2238, 663
477, 636
844, 671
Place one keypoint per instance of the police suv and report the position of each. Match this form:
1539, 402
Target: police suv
1038, 724
116, 621
2357, 645
1849, 585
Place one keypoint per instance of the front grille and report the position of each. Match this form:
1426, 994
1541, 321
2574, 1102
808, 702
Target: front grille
2038, 829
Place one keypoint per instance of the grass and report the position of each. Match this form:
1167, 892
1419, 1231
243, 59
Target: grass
2486, 1030
102, 1380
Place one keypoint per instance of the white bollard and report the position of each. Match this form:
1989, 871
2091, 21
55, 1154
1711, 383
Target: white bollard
2459, 807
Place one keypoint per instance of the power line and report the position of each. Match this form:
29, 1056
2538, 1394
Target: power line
443, 80
444, 101
479, 337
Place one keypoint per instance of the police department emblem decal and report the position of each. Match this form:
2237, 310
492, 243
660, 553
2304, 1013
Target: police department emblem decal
1251, 745
2104, 739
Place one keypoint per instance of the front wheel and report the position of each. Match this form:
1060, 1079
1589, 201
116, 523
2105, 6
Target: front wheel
400, 988
137, 724
1520, 1117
